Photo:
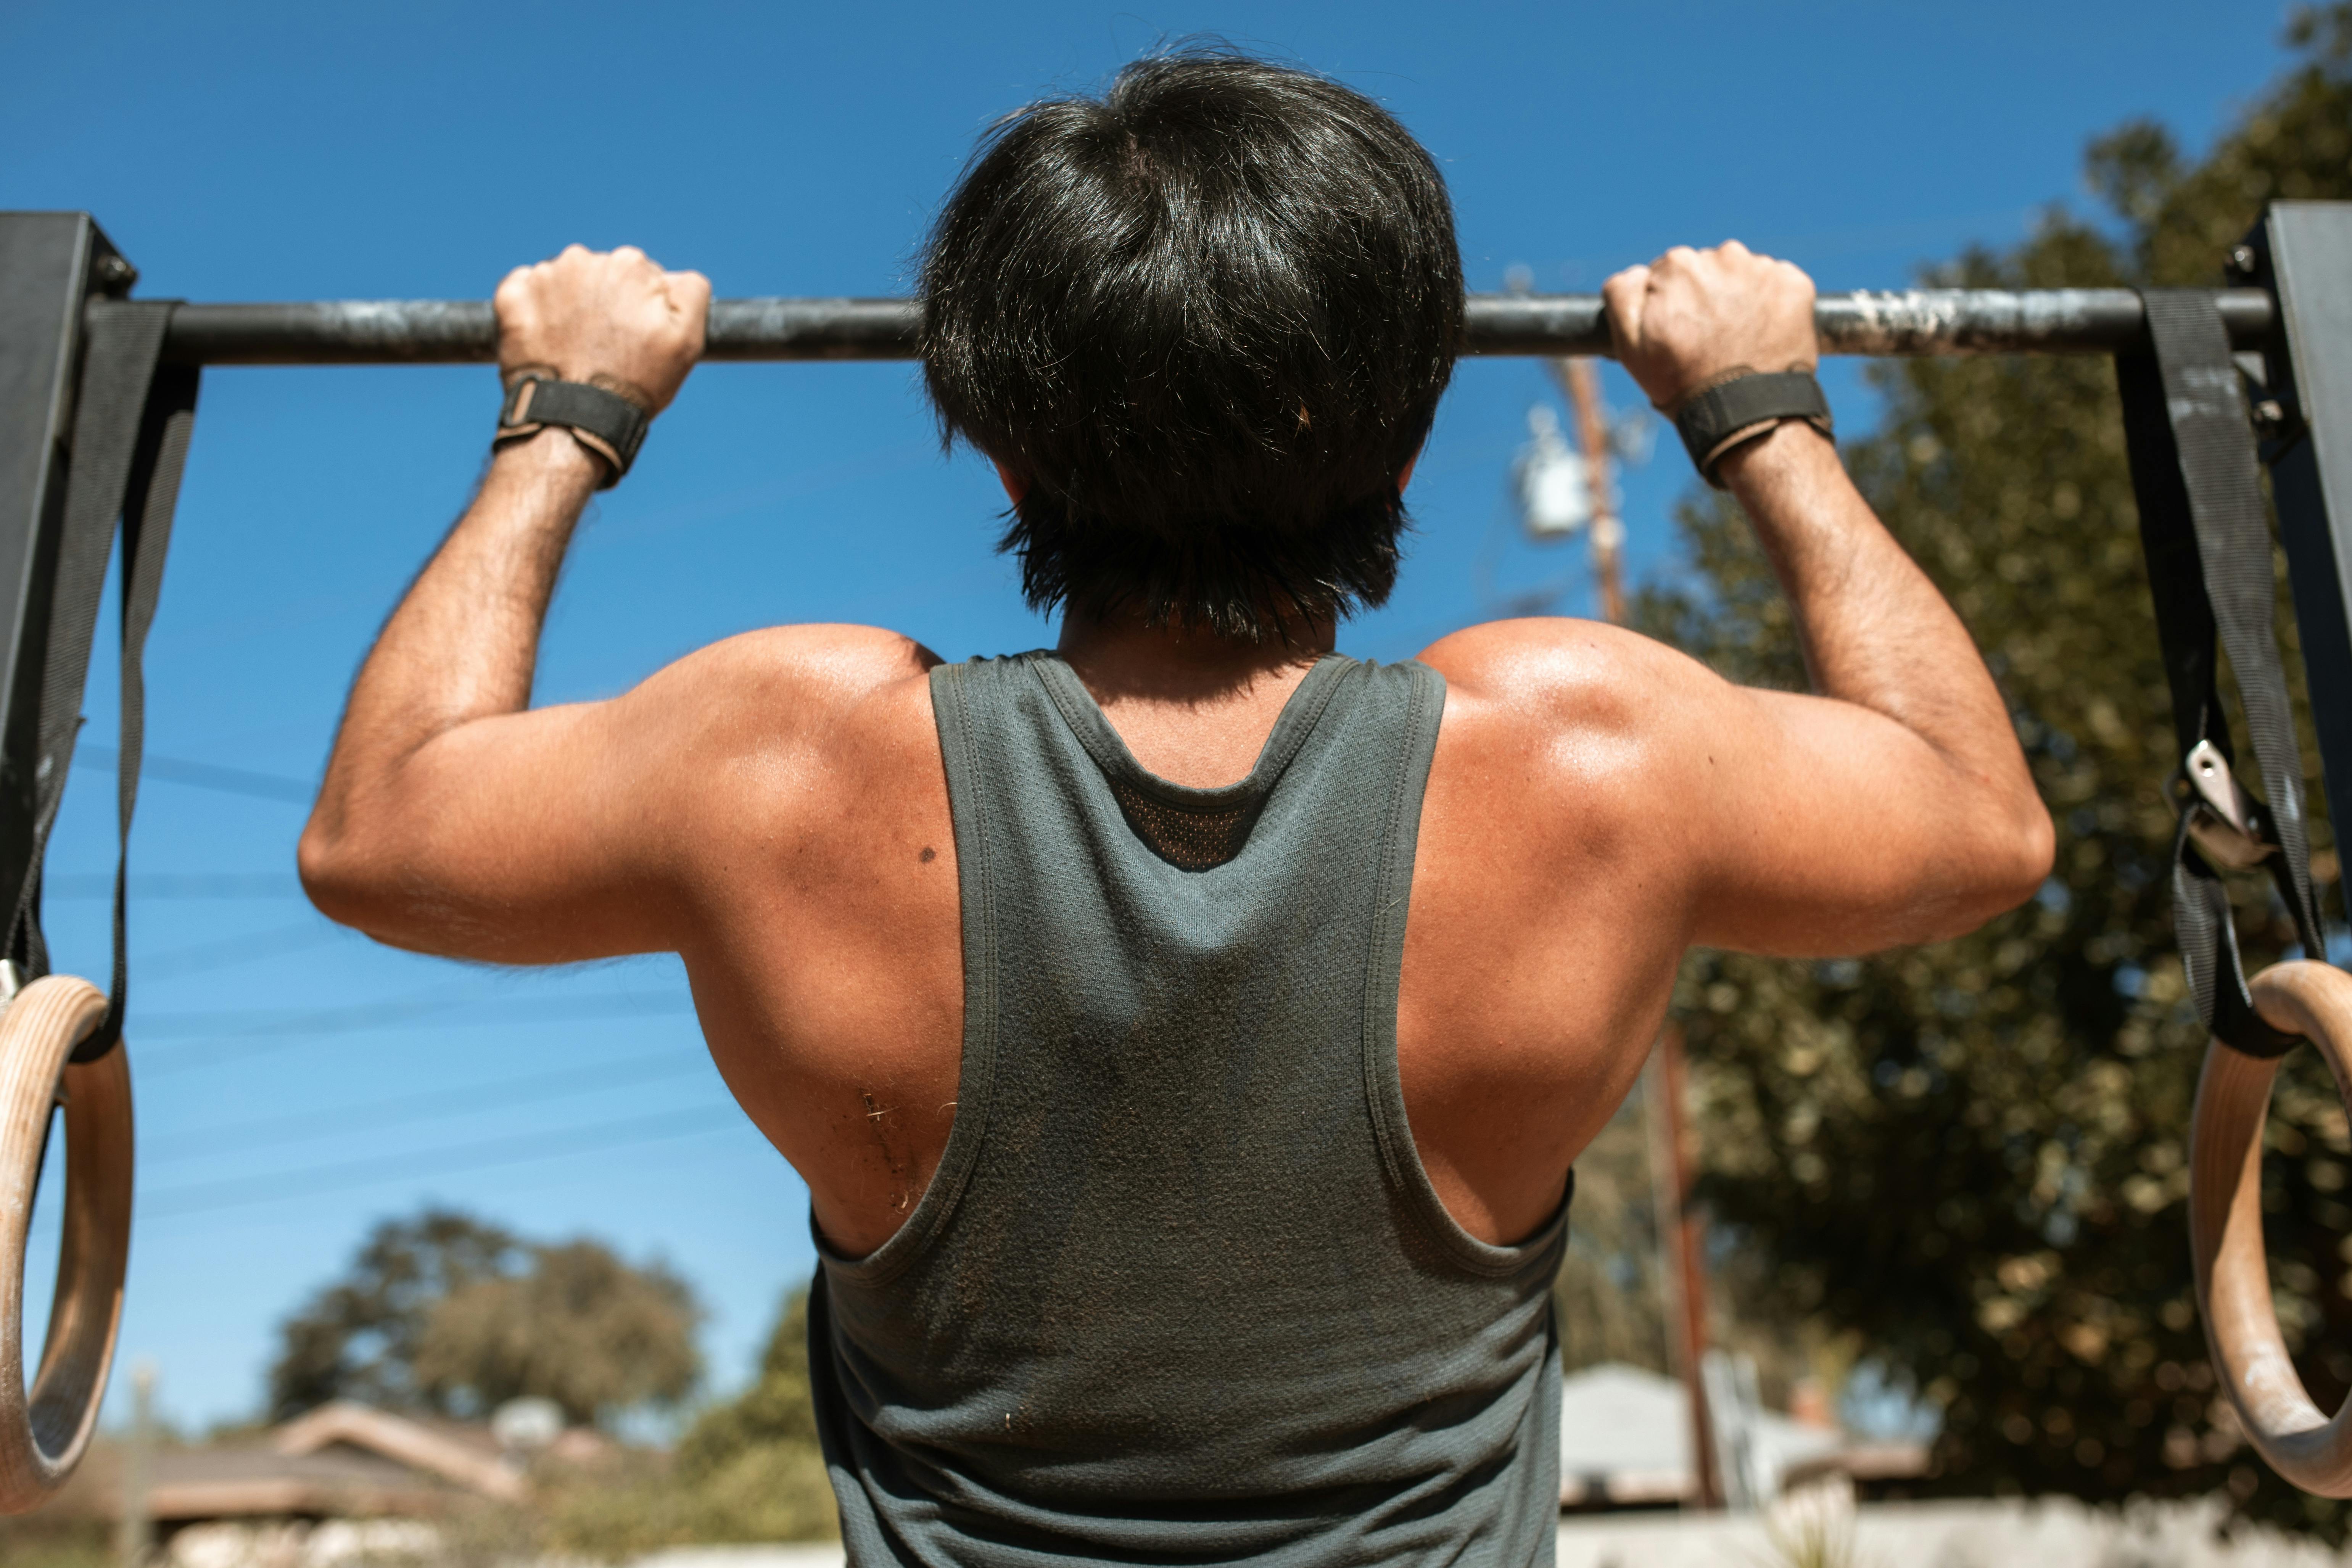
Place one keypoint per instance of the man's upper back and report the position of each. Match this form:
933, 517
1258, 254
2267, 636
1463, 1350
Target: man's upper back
775, 809
1542, 933
1178, 1289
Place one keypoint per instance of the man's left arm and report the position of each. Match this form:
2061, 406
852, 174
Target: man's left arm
453, 818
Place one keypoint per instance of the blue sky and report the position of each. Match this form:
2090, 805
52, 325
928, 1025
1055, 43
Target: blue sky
296, 1083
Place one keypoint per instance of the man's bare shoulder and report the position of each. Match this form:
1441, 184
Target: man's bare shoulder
1570, 730
1556, 675
845, 663
779, 729
1565, 779
784, 682
779, 718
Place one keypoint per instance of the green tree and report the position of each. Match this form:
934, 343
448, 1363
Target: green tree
1611, 1287
754, 1461
748, 1470
579, 1327
450, 1313
776, 1408
357, 1337
1973, 1155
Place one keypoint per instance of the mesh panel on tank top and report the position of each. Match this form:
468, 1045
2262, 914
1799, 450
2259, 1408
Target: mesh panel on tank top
1190, 840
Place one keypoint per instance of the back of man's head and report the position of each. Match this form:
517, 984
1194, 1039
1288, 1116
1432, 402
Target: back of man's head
1205, 320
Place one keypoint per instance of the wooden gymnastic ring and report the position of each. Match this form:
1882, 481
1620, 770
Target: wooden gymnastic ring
2225, 1229
43, 1433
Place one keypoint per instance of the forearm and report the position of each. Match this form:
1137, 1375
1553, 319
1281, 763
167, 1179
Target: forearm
1892, 806
464, 643
1875, 631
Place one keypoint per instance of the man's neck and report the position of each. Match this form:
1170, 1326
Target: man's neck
1192, 707
1122, 658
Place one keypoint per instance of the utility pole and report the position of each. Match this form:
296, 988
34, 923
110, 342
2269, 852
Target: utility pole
1681, 1252
1680, 1249
1582, 387
135, 1539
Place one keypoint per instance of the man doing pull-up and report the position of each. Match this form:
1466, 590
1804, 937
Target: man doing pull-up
1184, 1034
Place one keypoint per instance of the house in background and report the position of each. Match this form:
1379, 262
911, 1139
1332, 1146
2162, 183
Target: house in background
340, 1463
1624, 1442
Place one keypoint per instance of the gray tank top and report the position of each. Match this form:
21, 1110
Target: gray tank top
1180, 1292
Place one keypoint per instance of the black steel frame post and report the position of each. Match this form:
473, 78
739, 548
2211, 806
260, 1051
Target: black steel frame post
2302, 254
52, 265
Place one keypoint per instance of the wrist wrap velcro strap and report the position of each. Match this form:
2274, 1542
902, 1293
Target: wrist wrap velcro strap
1714, 420
604, 422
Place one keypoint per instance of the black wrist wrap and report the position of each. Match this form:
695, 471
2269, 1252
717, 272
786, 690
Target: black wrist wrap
1714, 421
604, 422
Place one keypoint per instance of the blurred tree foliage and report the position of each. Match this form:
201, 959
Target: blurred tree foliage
1971, 1155
747, 1470
579, 1326
1610, 1289
776, 1409
448, 1313
357, 1337
44, 1542
755, 1459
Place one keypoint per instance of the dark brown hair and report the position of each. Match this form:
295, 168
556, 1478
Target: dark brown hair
1206, 318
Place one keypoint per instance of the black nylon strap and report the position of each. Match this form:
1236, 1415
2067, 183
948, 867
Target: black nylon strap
606, 423
2207, 542
169, 423
132, 426
1713, 421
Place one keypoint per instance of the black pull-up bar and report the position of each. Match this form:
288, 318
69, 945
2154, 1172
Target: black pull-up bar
457, 331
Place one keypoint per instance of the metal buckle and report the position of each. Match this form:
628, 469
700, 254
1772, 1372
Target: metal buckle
514, 412
2228, 824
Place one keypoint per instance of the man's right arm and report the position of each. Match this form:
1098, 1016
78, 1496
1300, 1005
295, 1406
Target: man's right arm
1890, 805
1893, 806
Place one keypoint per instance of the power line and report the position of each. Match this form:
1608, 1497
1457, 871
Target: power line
205, 775
225, 951
282, 1029
214, 1022
371, 1114
201, 1197
173, 885
752, 1165
243, 1022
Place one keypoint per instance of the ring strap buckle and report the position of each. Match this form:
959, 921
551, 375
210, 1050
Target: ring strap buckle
2230, 826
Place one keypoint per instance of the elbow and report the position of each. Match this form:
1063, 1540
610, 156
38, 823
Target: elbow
2007, 861
2036, 847
335, 873
320, 859
2025, 849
